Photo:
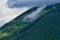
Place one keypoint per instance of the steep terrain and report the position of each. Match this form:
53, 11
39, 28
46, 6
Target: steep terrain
34, 24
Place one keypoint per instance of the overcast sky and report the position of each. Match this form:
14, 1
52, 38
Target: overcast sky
7, 14
9, 9
20, 3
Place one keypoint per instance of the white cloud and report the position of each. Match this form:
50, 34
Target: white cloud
7, 14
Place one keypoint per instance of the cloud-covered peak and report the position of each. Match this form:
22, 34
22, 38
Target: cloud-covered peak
9, 9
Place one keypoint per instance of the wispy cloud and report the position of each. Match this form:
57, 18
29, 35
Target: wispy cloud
7, 14
16, 7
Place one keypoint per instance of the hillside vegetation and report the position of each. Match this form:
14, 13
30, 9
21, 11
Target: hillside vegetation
45, 27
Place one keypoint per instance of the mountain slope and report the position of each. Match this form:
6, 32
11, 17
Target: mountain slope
17, 24
42, 27
47, 27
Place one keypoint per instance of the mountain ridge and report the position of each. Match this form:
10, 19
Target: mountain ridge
15, 33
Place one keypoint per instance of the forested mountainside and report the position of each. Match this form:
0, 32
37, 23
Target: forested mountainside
45, 27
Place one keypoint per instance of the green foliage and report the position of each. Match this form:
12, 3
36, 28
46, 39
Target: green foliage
53, 38
42, 28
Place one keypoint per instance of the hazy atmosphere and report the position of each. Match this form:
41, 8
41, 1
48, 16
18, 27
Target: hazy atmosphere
9, 9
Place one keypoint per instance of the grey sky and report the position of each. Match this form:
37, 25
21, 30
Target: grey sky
17, 7
28, 3
7, 14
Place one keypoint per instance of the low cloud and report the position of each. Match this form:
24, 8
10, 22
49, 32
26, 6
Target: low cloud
7, 14
9, 9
